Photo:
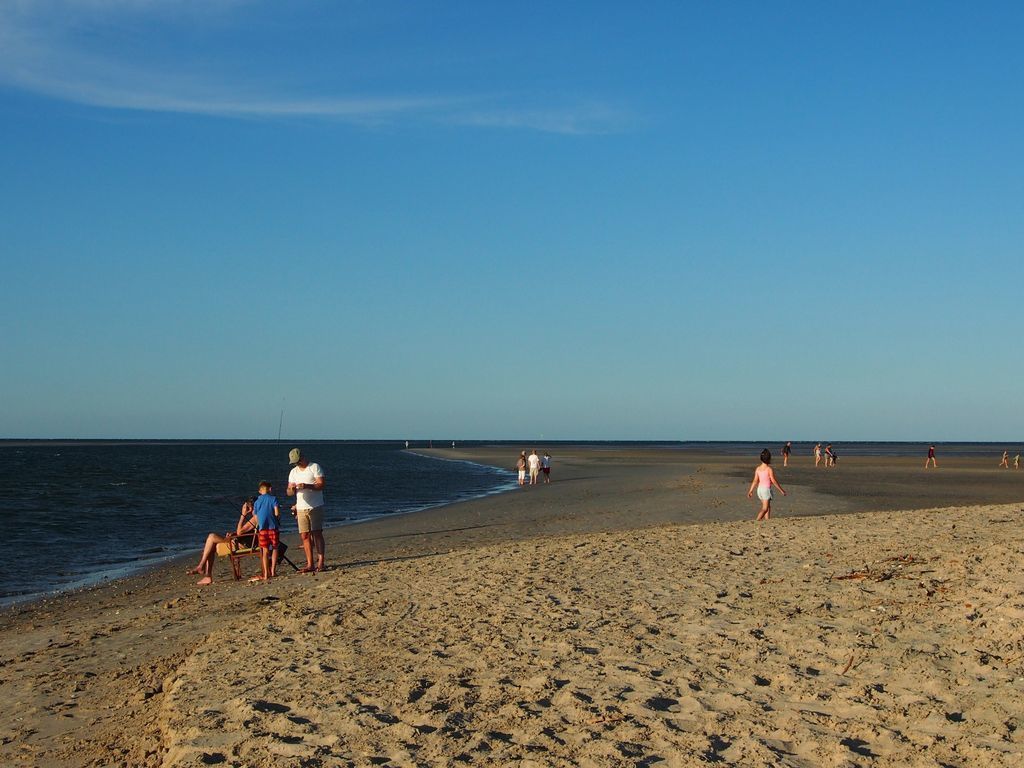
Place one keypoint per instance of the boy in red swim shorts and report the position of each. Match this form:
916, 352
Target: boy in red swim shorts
268, 522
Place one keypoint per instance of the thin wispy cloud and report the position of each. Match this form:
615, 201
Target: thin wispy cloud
46, 48
584, 119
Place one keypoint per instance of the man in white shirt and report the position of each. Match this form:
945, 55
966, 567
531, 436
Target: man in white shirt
306, 483
534, 462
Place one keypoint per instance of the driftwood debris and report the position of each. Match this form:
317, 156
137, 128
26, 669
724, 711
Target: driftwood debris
848, 664
609, 719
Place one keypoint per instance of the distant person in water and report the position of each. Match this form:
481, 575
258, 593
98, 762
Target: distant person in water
1005, 462
246, 525
521, 467
817, 454
786, 449
931, 457
764, 479
534, 463
545, 466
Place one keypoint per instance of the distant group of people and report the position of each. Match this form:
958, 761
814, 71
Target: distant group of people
1005, 462
828, 455
535, 465
260, 519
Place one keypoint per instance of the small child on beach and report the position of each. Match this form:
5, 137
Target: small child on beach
268, 523
764, 479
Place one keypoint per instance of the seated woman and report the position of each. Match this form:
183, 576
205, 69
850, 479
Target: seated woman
246, 524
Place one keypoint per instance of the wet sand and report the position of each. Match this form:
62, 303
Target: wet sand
628, 614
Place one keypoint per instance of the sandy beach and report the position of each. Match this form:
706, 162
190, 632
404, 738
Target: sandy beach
631, 613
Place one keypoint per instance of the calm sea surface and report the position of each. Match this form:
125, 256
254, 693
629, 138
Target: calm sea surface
83, 512
80, 513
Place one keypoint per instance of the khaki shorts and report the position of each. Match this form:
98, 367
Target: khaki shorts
310, 520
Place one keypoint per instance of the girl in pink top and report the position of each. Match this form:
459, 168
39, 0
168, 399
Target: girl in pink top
764, 479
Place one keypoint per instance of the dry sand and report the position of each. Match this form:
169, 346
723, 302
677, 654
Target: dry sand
583, 623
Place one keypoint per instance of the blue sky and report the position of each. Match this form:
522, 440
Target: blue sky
576, 220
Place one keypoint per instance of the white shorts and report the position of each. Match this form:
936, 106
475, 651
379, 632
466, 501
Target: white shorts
764, 492
522, 475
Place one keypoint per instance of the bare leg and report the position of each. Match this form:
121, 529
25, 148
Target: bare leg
209, 551
205, 566
273, 563
765, 510
307, 547
320, 546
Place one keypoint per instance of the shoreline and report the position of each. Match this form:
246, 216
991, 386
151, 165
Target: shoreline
893, 485
132, 569
84, 669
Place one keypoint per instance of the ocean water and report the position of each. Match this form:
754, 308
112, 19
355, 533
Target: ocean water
79, 513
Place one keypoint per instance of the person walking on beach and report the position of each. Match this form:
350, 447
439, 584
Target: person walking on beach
931, 458
764, 479
545, 467
817, 454
268, 523
521, 467
830, 456
306, 483
786, 449
1005, 462
534, 462
1016, 461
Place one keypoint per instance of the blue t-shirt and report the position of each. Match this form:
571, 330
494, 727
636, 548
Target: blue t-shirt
265, 519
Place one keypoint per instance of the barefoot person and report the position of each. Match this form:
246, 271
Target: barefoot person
545, 466
534, 463
931, 457
268, 522
786, 450
246, 524
830, 455
521, 467
764, 479
1005, 461
817, 454
306, 483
